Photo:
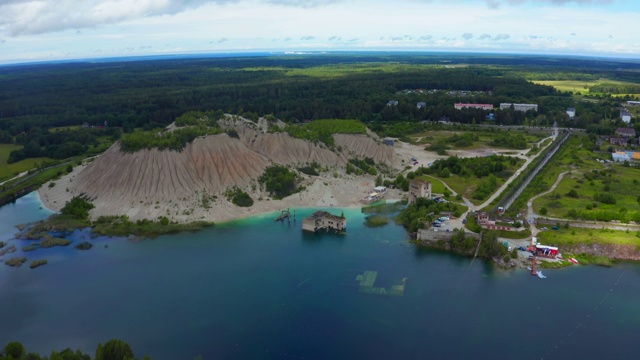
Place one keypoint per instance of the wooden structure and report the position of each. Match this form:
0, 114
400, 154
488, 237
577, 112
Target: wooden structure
285, 214
320, 220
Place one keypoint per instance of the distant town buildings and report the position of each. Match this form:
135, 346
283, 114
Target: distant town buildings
460, 106
392, 103
571, 112
419, 188
519, 107
625, 116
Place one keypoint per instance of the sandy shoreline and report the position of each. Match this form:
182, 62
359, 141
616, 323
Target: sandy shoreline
342, 192
206, 201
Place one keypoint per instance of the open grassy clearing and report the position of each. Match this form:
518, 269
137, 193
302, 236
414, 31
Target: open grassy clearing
620, 182
582, 86
467, 185
65, 128
337, 70
467, 140
7, 171
580, 192
575, 236
437, 187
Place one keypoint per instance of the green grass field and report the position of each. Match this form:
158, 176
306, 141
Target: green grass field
484, 138
63, 128
7, 171
437, 187
467, 185
582, 86
338, 70
623, 183
575, 236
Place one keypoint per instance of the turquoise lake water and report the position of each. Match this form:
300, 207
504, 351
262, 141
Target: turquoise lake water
255, 289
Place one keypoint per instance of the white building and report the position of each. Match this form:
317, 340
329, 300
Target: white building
421, 105
625, 116
571, 112
519, 107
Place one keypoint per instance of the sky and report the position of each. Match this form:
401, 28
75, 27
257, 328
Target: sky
43, 30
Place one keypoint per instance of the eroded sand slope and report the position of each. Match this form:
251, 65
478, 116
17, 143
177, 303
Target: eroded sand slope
152, 183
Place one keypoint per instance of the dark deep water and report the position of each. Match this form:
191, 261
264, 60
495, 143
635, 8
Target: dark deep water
255, 289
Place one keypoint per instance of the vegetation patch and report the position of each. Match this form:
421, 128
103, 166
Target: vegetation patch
362, 166
31, 247
384, 208
424, 211
74, 216
376, 220
145, 228
590, 190
514, 234
575, 236
321, 130
16, 261
590, 259
48, 241
37, 263
279, 181
239, 197
111, 350
312, 169
197, 118
174, 140
85, 245
476, 178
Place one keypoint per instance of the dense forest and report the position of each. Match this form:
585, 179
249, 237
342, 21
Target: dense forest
111, 350
103, 100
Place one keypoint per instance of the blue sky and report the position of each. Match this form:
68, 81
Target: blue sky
40, 30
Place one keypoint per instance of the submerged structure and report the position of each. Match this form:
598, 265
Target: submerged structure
323, 220
367, 285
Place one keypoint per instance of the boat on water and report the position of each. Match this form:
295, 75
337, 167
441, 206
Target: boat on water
536, 273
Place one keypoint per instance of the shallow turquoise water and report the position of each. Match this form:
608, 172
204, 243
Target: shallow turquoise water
257, 289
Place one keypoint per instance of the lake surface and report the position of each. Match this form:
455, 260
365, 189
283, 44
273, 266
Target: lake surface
255, 289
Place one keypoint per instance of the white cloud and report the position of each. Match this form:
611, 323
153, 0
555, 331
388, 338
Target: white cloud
49, 29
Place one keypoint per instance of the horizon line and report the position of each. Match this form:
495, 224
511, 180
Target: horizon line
288, 52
